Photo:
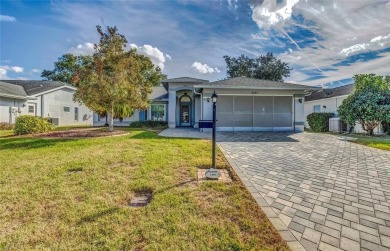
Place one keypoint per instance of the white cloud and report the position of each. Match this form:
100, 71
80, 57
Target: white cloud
5, 68
157, 56
3, 73
271, 12
5, 18
338, 30
35, 70
83, 49
204, 68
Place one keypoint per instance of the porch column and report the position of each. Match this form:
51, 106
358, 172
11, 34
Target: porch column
172, 109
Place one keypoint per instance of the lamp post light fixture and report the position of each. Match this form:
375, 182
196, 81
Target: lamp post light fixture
213, 173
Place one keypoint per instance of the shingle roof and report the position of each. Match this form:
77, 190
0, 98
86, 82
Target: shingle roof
33, 87
330, 93
252, 83
184, 80
7, 89
159, 93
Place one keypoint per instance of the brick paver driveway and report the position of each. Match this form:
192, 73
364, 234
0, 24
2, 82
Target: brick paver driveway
320, 192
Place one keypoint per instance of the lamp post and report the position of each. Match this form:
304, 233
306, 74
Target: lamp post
213, 173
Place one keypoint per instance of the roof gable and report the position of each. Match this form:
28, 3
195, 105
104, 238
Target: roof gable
244, 82
7, 89
331, 93
33, 87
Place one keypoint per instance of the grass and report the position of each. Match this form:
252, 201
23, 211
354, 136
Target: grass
73, 194
380, 142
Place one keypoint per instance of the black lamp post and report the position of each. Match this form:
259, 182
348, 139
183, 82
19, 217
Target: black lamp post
213, 173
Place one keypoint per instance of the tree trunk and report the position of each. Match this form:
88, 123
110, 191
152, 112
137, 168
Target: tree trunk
111, 118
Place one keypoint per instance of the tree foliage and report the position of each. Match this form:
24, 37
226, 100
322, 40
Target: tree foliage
264, 67
66, 67
115, 79
369, 104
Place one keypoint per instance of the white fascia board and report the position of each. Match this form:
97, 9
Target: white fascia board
56, 89
317, 100
18, 97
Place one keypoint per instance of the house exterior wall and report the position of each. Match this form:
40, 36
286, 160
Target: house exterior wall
54, 103
331, 106
5, 104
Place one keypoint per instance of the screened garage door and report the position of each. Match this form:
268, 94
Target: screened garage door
254, 113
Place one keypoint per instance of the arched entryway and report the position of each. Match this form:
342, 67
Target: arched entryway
185, 109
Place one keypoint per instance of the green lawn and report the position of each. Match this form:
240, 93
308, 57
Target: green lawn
380, 142
59, 194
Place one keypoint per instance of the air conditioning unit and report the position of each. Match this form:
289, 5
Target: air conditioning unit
337, 125
14, 110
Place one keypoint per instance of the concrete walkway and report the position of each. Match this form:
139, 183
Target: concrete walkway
185, 132
320, 192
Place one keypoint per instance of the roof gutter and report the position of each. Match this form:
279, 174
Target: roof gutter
258, 88
18, 96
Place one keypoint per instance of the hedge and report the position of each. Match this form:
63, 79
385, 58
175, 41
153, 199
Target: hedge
386, 127
149, 124
28, 124
319, 121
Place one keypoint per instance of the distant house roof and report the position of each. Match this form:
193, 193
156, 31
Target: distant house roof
159, 94
330, 93
252, 83
184, 80
32, 87
12, 91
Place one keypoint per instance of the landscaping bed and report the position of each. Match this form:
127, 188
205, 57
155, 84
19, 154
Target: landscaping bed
75, 194
82, 133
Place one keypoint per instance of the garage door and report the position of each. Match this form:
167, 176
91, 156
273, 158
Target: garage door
254, 113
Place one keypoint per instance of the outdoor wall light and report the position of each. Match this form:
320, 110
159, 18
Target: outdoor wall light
214, 97
300, 100
208, 99
324, 106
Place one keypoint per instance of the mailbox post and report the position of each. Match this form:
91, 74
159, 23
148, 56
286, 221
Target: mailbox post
213, 173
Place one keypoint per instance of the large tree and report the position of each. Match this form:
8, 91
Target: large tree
65, 68
264, 67
115, 77
369, 104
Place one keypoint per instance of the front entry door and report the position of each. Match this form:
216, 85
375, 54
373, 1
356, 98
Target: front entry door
185, 115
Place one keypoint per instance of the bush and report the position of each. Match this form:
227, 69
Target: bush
6, 126
319, 122
386, 127
149, 124
27, 124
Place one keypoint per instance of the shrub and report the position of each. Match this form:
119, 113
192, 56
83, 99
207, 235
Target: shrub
319, 122
386, 127
27, 124
6, 126
149, 124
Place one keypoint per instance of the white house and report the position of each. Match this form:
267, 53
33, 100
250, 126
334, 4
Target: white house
42, 98
244, 104
328, 100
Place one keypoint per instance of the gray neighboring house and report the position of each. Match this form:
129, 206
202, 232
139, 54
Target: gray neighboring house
244, 104
328, 100
41, 98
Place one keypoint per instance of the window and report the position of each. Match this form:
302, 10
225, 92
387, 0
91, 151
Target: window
66, 109
31, 109
158, 112
76, 113
317, 108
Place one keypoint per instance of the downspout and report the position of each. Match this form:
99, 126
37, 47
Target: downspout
294, 111
42, 106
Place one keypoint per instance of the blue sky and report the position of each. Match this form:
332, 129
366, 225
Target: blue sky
326, 42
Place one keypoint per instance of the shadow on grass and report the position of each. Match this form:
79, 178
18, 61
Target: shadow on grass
164, 189
30, 143
96, 216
